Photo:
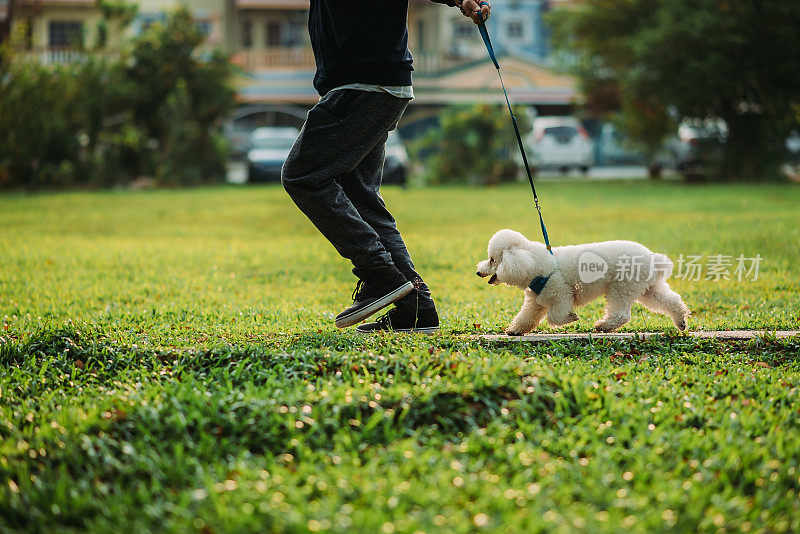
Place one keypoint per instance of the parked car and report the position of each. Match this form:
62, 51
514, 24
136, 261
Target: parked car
699, 146
239, 128
270, 147
395, 166
791, 167
560, 143
793, 147
614, 149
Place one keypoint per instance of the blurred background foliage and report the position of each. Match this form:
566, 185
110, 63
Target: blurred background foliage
473, 144
153, 112
651, 63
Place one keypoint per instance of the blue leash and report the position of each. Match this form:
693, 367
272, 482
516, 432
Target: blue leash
485, 35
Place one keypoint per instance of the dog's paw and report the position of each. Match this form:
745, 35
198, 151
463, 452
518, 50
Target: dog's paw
682, 326
571, 317
514, 334
600, 326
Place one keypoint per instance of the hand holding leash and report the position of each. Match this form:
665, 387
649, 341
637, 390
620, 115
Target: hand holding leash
477, 10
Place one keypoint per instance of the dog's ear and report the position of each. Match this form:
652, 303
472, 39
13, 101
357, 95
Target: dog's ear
515, 266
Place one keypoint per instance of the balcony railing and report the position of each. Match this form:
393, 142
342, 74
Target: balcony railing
276, 58
302, 58
291, 58
55, 56
273, 4
432, 63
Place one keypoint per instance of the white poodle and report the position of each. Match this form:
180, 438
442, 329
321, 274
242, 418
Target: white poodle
574, 275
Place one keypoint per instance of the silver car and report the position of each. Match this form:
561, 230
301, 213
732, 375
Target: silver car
395, 166
269, 148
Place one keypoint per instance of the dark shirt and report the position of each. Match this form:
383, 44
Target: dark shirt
361, 41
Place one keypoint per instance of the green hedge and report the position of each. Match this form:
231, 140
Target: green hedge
472, 144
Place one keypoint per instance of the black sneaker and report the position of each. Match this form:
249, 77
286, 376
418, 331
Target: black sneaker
403, 321
376, 289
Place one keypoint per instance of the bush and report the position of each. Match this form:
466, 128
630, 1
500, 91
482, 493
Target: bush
156, 111
473, 144
38, 125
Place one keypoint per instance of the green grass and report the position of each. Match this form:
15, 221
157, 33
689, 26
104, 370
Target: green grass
168, 363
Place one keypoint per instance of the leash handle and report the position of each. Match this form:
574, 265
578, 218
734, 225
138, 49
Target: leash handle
488, 42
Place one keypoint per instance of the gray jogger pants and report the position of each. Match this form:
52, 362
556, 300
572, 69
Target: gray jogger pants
333, 173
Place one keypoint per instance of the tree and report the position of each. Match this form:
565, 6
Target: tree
155, 111
39, 124
180, 100
648, 124
120, 13
716, 59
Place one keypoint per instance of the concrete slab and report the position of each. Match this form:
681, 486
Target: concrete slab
722, 334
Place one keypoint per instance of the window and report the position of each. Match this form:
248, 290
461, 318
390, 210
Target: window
65, 34
293, 33
247, 34
463, 30
273, 34
146, 20
515, 31
205, 27
285, 33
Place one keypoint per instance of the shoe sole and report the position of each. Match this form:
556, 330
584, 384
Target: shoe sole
426, 331
373, 308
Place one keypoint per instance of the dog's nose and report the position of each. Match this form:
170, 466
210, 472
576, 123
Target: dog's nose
480, 274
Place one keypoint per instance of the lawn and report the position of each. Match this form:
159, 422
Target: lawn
168, 363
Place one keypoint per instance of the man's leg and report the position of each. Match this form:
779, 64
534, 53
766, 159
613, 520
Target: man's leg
340, 131
362, 187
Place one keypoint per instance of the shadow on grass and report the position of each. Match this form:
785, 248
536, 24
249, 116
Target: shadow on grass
312, 356
117, 416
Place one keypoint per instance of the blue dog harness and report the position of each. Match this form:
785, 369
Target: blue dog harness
538, 283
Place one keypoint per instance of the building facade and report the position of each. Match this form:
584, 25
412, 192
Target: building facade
269, 40
270, 35
517, 28
63, 30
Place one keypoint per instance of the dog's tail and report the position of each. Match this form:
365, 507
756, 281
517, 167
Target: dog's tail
662, 266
